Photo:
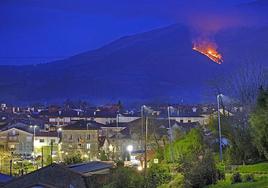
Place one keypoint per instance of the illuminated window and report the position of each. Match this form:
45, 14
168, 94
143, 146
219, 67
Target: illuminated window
88, 145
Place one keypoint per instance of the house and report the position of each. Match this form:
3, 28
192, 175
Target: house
81, 136
17, 140
85, 175
48, 141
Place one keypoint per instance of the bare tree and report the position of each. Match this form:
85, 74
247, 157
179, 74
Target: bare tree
244, 83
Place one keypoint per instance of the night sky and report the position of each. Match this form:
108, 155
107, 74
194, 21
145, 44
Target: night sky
38, 31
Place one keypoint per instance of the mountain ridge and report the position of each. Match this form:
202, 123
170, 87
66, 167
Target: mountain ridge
157, 65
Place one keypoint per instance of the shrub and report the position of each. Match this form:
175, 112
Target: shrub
200, 171
221, 171
236, 178
249, 177
73, 159
125, 178
157, 175
220, 174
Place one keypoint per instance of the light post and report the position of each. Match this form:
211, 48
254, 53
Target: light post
87, 126
117, 137
145, 136
219, 123
34, 127
59, 131
171, 134
130, 149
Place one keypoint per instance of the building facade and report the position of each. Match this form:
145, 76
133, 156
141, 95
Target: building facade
17, 141
81, 137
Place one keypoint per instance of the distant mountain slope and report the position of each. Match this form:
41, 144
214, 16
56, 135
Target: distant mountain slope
158, 65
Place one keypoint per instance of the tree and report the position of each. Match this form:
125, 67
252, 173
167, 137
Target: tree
103, 156
259, 123
240, 148
192, 142
199, 170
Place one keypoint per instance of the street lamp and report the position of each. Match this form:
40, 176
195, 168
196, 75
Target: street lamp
117, 147
171, 135
219, 123
34, 127
145, 135
130, 149
59, 131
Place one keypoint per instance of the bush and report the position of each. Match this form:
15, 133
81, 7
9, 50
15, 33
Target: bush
220, 171
157, 175
73, 159
236, 178
125, 178
249, 177
199, 171
176, 182
220, 174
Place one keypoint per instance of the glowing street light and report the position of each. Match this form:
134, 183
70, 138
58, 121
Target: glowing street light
139, 168
130, 149
59, 131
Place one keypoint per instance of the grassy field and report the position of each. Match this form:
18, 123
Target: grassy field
260, 172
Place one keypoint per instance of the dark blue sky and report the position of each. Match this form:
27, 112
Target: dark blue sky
38, 31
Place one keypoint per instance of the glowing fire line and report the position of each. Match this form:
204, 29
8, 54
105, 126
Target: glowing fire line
210, 52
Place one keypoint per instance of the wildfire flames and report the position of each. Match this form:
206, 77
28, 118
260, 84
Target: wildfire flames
208, 50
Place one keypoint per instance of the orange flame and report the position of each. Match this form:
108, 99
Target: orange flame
209, 50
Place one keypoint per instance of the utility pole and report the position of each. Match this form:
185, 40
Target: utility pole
171, 136
219, 124
51, 151
42, 159
10, 164
145, 146
10, 167
117, 138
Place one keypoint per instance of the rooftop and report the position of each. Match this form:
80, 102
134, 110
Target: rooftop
83, 125
90, 166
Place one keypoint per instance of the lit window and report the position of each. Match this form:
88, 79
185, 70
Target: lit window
88, 145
